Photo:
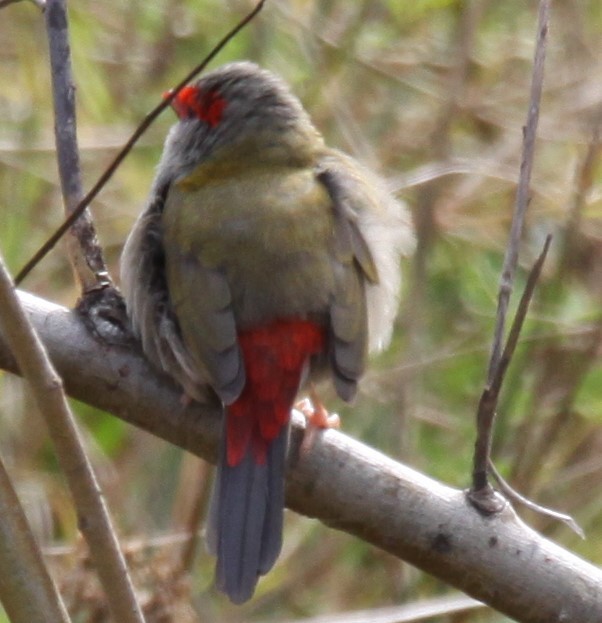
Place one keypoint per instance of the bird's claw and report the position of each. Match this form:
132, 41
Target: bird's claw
317, 418
316, 414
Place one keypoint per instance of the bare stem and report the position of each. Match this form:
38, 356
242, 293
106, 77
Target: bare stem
93, 517
490, 395
515, 496
522, 190
488, 403
84, 250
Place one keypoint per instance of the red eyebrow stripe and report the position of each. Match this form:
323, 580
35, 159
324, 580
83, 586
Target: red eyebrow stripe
208, 106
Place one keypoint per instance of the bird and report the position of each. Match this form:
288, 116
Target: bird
263, 262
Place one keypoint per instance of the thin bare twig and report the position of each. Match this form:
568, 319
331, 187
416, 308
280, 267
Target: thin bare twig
93, 517
147, 121
530, 435
522, 190
511, 493
487, 405
85, 253
519, 319
481, 494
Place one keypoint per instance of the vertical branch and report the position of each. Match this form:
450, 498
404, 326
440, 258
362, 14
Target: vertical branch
85, 253
522, 191
93, 517
486, 412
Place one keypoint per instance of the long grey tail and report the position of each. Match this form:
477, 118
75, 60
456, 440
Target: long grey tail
244, 528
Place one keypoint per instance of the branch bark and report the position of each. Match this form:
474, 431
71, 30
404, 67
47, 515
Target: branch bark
345, 484
85, 253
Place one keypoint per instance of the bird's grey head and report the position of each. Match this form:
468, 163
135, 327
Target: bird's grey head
239, 106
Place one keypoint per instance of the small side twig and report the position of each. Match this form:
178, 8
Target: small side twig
481, 493
515, 496
93, 517
146, 122
481, 490
522, 190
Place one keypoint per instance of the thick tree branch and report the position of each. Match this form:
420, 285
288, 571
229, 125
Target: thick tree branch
347, 485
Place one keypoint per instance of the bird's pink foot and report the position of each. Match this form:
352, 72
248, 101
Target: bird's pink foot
316, 414
317, 418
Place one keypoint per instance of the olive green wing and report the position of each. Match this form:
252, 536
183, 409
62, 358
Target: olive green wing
201, 300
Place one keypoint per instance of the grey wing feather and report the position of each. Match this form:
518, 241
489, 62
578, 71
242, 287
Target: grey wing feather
349, 331
147, 298
204, 309
380, 231
353, 268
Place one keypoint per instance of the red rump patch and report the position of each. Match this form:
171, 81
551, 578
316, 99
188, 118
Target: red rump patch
274, 357
191, 102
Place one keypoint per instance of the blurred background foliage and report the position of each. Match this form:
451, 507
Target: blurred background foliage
433, 94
